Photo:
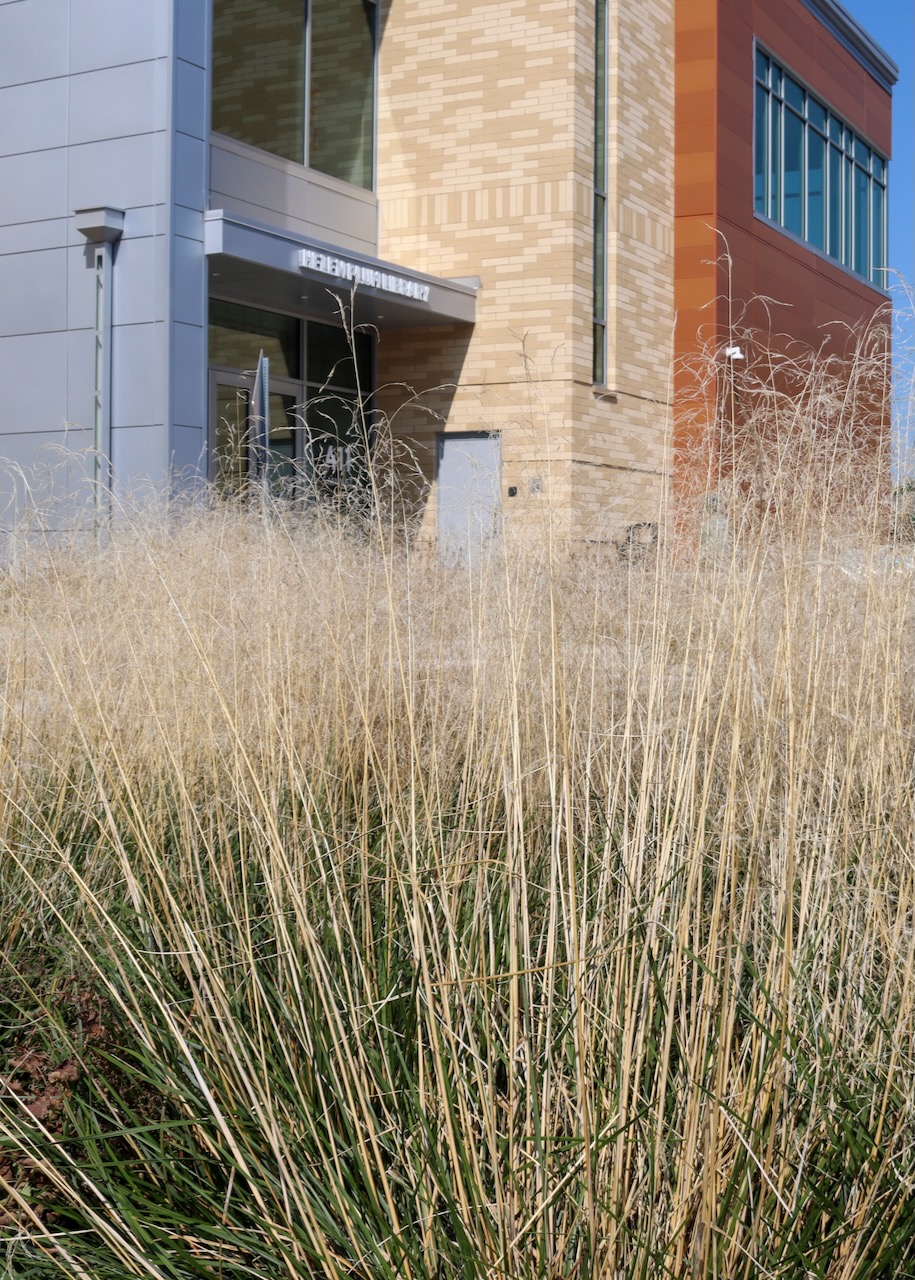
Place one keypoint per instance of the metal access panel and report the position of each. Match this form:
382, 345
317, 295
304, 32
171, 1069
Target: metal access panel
469, 495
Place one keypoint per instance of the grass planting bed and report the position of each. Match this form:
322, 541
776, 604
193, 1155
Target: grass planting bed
552, 916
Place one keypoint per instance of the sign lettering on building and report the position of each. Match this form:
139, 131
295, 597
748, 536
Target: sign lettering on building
341, 268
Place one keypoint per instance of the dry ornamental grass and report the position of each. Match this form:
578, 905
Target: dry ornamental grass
552, 917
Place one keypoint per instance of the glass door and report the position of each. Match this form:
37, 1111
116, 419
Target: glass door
229, 432
283, 464
235, 435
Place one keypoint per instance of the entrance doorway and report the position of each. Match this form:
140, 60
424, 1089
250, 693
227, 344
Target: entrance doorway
318, 429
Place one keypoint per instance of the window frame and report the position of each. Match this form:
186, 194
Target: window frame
848, 158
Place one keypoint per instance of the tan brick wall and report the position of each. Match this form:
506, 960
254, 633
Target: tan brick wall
622, 452
485, 136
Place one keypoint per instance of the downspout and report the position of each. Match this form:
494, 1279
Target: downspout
102, 228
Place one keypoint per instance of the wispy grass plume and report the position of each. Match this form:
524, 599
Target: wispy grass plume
550, 918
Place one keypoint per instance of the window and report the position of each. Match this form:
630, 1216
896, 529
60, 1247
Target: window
599, 333
815, 176
298, 81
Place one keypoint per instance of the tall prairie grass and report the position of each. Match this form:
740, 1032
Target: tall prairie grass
549, 917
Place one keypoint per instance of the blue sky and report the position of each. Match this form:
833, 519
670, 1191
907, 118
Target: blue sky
892, 24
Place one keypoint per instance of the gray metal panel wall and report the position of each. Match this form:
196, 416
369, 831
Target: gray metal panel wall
34, 344
255, 185
102, 103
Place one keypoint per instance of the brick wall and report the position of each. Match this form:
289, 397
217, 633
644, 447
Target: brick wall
485, 138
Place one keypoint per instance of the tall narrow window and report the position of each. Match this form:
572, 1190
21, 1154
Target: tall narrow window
775, 160
834, 201
878, 216
814, 176
862, 217
761, 148
599, 332
793, 198
298, 80
816, 189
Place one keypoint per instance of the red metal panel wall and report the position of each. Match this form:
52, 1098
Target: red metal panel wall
809, 297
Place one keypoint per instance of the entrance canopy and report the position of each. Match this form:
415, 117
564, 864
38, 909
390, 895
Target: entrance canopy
268, 266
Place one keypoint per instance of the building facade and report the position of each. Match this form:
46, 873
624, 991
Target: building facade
784, 121
453, 227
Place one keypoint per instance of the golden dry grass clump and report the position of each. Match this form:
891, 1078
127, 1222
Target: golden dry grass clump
548, 917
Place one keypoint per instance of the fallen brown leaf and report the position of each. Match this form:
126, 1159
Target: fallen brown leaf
66, 1073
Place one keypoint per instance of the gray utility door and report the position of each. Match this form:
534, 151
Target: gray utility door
469, 495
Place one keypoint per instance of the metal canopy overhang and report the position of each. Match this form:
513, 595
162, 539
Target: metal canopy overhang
269, 267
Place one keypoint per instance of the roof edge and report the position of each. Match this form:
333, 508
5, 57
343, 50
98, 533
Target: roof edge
852, 36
